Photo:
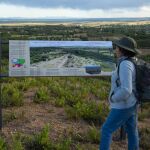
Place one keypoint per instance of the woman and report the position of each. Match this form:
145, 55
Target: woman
122, 98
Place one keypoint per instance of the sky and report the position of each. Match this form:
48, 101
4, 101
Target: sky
74, 8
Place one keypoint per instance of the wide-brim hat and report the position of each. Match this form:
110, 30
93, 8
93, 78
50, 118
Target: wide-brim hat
128, 44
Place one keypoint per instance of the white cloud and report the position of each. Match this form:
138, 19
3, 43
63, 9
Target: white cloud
80, 4
29, 12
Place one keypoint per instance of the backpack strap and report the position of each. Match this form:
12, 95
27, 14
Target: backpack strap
139, 102
118, 79
118, 68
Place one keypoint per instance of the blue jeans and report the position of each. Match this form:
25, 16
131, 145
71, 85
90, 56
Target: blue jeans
117, 118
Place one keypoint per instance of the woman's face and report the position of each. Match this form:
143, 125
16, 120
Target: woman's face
118, 53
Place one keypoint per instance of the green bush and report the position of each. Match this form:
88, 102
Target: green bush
17, 143
41, 95
144, 114
145, 138
71, 99
64, 144
60, 102
102, 112
8, 117
44, 81
24, 84
86, 110
71, 112
11, 96
93, 135
3, 145
89, 111
40, 141
90, 136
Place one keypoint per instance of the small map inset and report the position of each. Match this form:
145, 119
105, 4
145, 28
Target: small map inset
17, 62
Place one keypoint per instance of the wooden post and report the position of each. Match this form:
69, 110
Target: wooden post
0, 83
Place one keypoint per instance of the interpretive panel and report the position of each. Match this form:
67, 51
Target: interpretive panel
60, 58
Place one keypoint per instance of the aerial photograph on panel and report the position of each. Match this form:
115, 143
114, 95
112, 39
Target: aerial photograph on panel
64, 57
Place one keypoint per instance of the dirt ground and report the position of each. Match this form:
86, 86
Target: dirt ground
31, 118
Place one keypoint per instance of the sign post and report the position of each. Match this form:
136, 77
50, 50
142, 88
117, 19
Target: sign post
0, 83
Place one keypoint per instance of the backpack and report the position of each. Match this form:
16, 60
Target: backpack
142, 79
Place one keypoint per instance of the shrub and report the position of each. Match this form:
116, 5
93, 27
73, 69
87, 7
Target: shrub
3, 145
86, 110
17, 143
144, 114
93, 134
144, 138
64, 144
41, 95
71, 112
8, 117
89, 111
40, 141
22, 85
11, 96
60, 102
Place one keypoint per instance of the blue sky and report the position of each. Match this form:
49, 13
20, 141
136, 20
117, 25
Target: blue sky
34, 43
74, 8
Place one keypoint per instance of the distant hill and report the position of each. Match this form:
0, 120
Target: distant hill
49, 20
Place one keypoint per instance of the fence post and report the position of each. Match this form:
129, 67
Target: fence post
0, 83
